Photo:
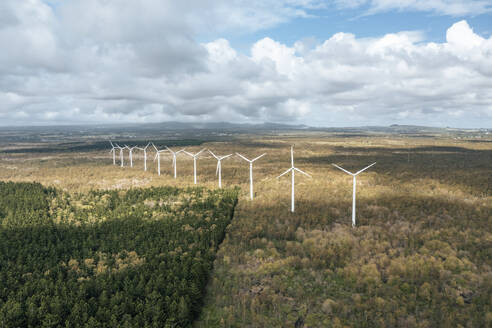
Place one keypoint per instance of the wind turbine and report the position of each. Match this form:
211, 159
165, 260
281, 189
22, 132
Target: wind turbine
174, 158
218, 171
250, 171
131, 154
113, 150
145, 155
158, 156
293, 170
194, 161
354, 183
121, 153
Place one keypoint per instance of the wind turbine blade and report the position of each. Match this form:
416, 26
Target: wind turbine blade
365, 168
224, 157
285, 172
187, 153
156, 154
243, 157
155, 147
169, 150
180, 151
212, 154
254, 159
111, 143
201, 151
344, 170
301, 171
292, 156
147, 145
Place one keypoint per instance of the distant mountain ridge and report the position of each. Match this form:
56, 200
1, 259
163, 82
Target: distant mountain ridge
223, 127
91, 137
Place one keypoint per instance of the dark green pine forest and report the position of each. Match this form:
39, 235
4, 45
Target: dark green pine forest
136, 258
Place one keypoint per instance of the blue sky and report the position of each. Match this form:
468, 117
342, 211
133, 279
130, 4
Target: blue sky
322, 63
323, 23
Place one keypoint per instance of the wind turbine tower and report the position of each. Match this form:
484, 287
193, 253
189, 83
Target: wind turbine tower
158, 157
130, 154
121, 153
218, 171
174, 158
113, 150
145, 155
354, 182
293, 170
194, 161
250, 171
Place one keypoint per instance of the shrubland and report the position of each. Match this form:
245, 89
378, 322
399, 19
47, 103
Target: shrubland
420, 256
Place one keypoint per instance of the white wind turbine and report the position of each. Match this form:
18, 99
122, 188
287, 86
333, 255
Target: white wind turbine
158, 157
218, 171
250, 171
113, 150
194, 161
130, 154
354, 183
293, 170
121, 153
174, 158
145, 154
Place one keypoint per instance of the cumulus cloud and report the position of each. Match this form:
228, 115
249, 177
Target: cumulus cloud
97, 61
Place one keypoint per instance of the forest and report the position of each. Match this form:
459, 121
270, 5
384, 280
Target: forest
135, 258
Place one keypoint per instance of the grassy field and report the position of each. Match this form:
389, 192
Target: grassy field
421, 255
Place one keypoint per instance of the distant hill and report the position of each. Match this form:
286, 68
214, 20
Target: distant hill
208, 131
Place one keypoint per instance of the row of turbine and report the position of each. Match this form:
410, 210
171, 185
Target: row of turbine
218, 171
157, 157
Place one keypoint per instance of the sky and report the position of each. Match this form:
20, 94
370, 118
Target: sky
321, 63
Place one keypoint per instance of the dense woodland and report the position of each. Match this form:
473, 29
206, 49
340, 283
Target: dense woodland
136, 258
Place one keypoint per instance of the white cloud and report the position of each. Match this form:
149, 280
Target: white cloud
460, 35
94, 61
